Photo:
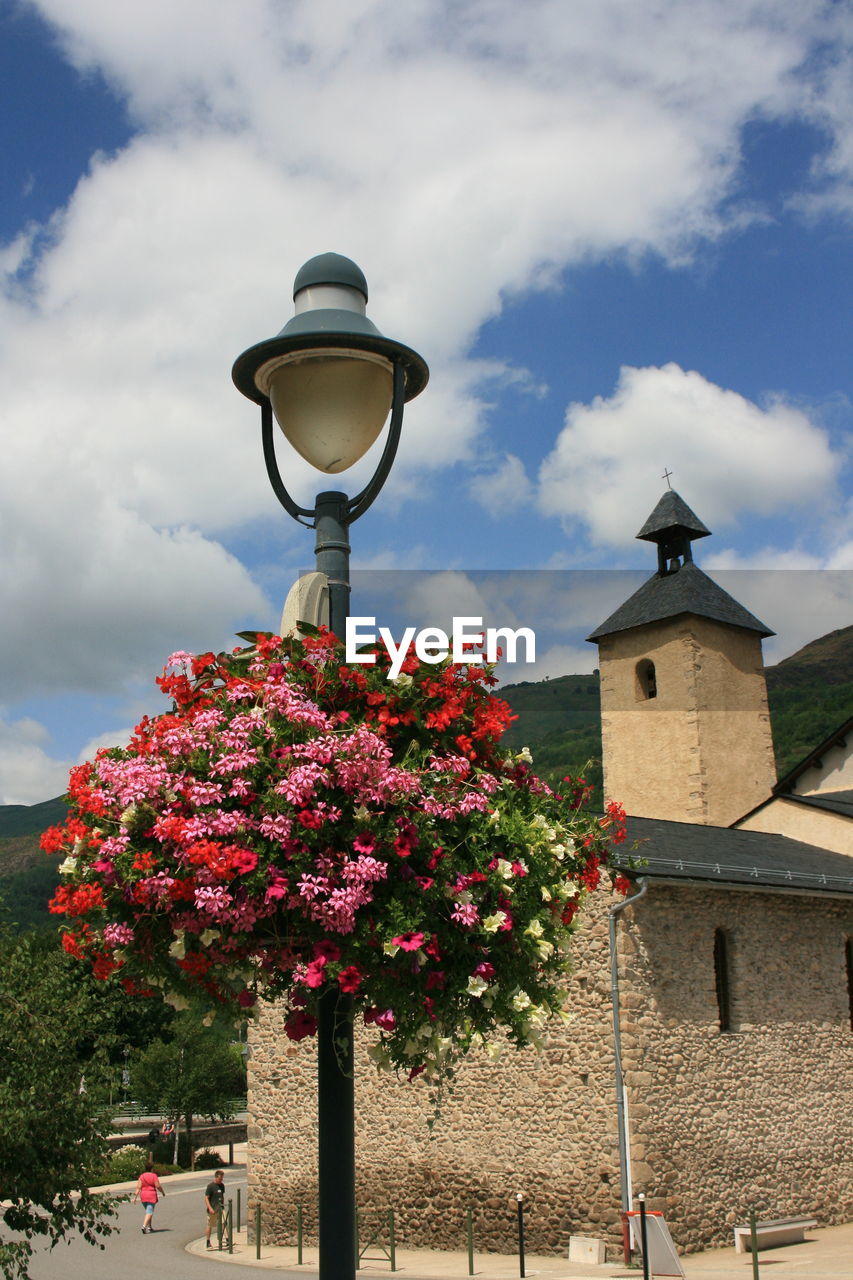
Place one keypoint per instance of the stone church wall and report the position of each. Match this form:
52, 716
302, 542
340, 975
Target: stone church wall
719, 1121
760, 1115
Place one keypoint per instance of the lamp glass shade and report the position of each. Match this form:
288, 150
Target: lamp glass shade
331, 404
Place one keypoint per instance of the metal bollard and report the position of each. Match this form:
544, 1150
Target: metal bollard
229, 1226
299, 1235
753, 1243
470, 1234
642, 1199
392, 1240
258, 1231
520, 1203
239, 1214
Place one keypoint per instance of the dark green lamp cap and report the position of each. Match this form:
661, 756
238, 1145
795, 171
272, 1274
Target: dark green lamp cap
333, 269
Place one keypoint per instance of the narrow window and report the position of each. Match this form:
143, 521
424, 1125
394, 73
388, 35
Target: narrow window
850, 978
646, 679
721, 976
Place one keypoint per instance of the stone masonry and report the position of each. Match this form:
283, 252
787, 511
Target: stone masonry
720, 1121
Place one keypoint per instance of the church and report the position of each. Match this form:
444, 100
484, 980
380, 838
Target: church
708, 1060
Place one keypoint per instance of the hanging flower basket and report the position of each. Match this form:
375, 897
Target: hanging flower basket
296, 824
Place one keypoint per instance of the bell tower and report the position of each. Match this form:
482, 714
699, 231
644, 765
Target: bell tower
685, 724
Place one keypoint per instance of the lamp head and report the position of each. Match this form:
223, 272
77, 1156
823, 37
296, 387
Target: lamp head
329, 373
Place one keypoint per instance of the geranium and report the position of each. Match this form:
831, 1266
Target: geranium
295, 825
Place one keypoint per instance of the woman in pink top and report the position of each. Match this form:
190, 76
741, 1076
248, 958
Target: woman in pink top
148, 1190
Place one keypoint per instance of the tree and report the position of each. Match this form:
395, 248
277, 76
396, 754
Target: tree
50, 1121
199, 1072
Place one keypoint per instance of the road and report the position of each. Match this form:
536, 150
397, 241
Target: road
129, 1255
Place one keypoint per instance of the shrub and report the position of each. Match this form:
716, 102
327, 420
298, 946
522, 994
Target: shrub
208, 1159
124, 1164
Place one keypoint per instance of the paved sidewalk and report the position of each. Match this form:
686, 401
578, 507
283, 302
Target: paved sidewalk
826, 1255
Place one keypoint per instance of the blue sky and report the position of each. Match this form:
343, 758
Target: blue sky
619, 234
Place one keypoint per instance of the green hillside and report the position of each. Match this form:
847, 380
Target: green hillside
811, 694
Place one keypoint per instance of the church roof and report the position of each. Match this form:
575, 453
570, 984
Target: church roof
686, 590
672, 515
838, 738
725, 855
835, 801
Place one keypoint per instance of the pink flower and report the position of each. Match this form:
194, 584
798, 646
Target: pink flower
365, 843
315, 973
409, 941
384, 1019
277, 887
466, 914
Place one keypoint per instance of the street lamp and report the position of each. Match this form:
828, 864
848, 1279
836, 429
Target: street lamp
330, 380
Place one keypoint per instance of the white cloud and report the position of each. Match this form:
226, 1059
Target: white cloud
29, 774
729, 455
504, 489
556, 660
463, 154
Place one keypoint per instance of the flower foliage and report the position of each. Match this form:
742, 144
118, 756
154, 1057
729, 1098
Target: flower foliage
297, 824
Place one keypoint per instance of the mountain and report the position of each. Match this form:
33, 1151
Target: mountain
810, 694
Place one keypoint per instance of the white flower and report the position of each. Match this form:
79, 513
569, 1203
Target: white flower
504, 869
390, 948
380, 1057
476, 986
492, 923
403, 680
494, 816
546, 894
524, 754
209, 935
494, 1052
69, 865
178, 949
545, 949
209, 1018
534, 929
176, 1001
128, 815
521, 1000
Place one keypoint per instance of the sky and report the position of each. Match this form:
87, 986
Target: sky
618, 231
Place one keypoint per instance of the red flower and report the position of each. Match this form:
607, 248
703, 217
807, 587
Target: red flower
52, 840
299, 1025
327, 951
349, 979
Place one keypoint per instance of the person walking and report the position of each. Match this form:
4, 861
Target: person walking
214, 1200
148, 1191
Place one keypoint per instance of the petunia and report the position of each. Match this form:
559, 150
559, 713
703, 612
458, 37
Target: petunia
299, 1025
349, 979
409, 941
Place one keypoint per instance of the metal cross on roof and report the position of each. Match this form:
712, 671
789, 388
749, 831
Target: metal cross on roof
665, 476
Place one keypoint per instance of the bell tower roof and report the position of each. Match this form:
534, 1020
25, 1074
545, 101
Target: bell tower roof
679, 586
672, 517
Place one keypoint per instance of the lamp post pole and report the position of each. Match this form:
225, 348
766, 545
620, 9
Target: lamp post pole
330, 379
